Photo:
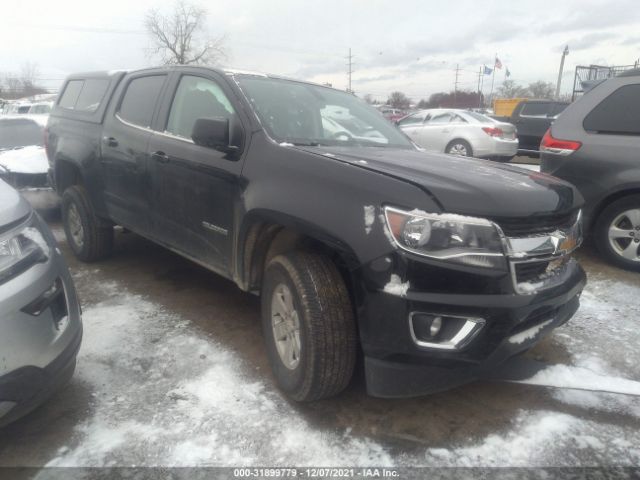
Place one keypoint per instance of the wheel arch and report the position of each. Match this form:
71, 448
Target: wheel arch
265, 234
610, 198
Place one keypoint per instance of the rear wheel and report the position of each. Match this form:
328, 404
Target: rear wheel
459, 147
617, 232
308, 325
89, 237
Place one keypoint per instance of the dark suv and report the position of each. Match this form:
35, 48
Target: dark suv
595, 144
436, 268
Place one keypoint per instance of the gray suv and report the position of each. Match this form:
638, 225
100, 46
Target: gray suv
40, 324
595, 144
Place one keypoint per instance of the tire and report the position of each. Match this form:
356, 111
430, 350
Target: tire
327, 339
460, 145
89, 237
624, 249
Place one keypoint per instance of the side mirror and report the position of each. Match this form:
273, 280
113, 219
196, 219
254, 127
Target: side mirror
214, 133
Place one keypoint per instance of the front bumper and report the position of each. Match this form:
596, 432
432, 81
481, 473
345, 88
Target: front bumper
38, 345
397, 366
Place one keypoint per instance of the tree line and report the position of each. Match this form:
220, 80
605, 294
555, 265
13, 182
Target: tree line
467, 99
25, 84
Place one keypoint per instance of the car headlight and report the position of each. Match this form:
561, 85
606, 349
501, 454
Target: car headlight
21, 249
448, 237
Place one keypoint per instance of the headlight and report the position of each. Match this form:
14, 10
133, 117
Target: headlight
20, 250
454, 238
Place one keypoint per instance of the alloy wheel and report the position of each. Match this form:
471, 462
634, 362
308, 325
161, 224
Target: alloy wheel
75, 226
624, 235
286, 326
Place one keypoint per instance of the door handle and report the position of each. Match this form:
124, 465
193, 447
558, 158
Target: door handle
446, 130
160, 157
110, 141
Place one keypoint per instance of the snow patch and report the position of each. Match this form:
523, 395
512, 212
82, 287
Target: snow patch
28, 160
164, 394
369, 217
565, 376
528, 334
396, 287
286, 144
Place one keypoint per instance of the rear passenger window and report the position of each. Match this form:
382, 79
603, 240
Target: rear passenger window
536, 109
71, 93
140, 99
618, 114
91, 95
84, 95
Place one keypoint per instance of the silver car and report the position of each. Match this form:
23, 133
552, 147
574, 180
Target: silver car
461, 132
40, 323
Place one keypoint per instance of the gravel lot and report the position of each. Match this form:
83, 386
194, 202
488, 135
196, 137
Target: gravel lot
172, 372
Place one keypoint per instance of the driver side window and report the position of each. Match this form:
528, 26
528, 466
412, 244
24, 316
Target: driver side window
195, 98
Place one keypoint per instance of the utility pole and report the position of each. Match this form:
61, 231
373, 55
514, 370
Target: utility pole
350, 70
565, 52
455, 86
479, 90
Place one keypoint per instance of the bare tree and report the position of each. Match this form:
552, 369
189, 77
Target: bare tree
181, 37
398, 100
369, 99
510, 89
541, 89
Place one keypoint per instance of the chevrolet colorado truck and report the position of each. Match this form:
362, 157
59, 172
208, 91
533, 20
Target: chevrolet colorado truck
433, 269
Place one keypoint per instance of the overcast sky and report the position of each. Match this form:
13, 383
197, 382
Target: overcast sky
407, 45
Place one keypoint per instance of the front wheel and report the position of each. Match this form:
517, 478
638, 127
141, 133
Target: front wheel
89, 237
308, 325
617, 232
459, 147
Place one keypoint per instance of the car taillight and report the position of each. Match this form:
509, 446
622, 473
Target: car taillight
493, 131
550, 144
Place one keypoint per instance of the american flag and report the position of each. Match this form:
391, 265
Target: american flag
498, 63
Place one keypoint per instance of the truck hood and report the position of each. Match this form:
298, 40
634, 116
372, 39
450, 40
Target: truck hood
12, 206
466, 185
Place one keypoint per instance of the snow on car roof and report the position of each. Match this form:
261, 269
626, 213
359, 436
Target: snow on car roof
31, 159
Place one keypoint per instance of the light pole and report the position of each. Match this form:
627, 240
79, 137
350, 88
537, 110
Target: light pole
565, 52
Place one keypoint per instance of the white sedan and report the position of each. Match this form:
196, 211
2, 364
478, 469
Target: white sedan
461, 132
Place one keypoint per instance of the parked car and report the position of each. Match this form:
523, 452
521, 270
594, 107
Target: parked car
461, 132
391, 114
533, 118
595, 144
23, 160
40, 324
437, 268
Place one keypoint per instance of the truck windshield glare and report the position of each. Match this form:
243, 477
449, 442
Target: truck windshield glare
312, 115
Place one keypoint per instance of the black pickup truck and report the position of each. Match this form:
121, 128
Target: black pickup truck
532, 119
435, 269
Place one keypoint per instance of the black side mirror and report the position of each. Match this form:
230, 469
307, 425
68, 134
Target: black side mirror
213, 133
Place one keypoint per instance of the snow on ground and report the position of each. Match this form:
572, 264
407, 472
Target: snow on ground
165, 394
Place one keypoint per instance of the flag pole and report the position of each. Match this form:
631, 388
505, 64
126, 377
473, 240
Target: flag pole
493, 77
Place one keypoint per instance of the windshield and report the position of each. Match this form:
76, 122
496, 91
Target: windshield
306, 114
